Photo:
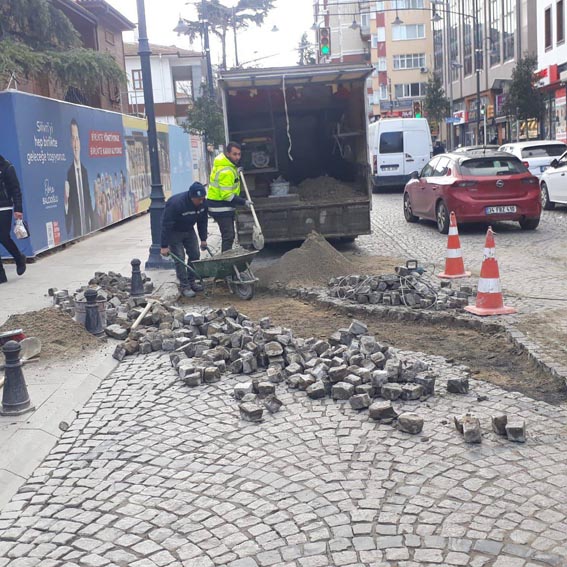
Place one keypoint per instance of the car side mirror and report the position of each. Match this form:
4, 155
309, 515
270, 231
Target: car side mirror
414, 175
554, 163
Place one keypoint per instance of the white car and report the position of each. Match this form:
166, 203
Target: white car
554, 183
536, 155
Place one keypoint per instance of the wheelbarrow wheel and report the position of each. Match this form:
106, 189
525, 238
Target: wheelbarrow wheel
245, 291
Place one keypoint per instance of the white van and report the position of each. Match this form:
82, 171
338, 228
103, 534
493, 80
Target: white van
398, 147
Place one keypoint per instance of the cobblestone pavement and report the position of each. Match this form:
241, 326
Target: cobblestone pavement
152, 473
532, 263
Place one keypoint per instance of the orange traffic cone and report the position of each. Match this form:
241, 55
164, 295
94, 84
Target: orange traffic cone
489, 300
454, 265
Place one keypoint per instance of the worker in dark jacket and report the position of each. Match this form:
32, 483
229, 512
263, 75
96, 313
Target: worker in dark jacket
10, 206
182, 213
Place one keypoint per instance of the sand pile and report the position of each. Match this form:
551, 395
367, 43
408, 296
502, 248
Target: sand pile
314, 263
328, 189
58, 332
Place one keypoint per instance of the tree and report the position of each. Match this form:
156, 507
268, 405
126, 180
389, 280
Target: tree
306, 51
436, 103
525, 100
205, 118
223, 18
37, 39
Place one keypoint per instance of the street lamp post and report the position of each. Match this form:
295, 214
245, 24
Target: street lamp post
157, 197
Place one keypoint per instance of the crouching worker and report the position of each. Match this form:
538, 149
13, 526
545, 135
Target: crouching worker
182, 212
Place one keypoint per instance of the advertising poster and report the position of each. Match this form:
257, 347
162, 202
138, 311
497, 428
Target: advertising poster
82, 169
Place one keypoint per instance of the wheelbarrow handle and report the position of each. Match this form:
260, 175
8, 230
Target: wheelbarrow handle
190, 268
210, 251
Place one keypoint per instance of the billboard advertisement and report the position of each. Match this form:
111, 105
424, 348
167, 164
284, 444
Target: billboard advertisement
83, 169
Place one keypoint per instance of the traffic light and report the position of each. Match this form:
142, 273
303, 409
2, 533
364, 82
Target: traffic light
417, 109
490, 111
324, 41
483, 110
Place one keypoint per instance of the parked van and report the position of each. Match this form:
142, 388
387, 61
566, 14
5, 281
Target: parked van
397, 148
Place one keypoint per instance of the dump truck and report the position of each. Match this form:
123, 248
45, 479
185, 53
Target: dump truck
303, 132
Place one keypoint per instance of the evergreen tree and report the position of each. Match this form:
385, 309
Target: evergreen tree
221, 19
436, 104
205, 118
525, 100
37, 39
306, 51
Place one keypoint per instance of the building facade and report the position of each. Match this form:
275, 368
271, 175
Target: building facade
476, 46
177, 75
552, 66
100, 28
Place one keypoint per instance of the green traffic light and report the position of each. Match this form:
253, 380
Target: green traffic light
325, 50
418, 115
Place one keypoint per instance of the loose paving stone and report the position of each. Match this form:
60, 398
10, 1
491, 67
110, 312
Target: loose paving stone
458, 385
499, 423
382, 411
250, 412
410, 423
471, 429
317, 391
360, 401
342, 391
358, 328
516, 430
391, 391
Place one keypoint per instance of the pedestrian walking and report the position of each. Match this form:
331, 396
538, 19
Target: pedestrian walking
224, 192
182, 212
10, 207
438, 148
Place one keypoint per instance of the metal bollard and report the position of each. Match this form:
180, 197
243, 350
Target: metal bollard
15, 398
93, 322
137, 285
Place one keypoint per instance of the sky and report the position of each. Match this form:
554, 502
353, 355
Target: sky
292, 17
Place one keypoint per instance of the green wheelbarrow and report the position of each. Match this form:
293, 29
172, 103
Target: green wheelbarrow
232, 267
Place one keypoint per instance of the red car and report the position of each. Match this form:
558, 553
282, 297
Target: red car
478, 187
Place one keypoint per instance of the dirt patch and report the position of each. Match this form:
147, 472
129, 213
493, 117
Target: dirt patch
58, 332
491, 357
329, 190
315, 262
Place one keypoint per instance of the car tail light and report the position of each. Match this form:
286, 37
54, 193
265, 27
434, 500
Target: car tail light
526, 164
464, 184
530, 181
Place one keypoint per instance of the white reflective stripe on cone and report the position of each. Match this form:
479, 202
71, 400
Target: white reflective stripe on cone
489, 285
453, 231
454, 253
489, 252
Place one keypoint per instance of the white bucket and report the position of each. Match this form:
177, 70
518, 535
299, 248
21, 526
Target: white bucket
279, 188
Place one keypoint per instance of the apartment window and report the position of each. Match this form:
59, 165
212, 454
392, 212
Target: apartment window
468, 33
381, 34
382, 64
509, 29
560, 22
383, 92
454, 49
109, 37
409, 31
380, 6
548, 34
410, 61
364, 20
495, 27
137, 82
410, 90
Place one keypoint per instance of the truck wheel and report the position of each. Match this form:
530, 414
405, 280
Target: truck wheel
408, 211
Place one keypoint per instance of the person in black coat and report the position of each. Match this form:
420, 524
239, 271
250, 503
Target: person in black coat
10, 206
79, 216
182, 212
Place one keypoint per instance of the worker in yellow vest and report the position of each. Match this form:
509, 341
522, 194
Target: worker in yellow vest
223, 195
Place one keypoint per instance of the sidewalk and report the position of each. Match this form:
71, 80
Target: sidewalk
59, 389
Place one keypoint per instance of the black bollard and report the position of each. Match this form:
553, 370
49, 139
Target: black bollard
93, 322
137, 285
15, 398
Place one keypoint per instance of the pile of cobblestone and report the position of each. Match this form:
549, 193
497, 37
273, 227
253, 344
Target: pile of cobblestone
113, 297
405, 288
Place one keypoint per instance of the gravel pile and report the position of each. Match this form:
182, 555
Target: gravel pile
407, 288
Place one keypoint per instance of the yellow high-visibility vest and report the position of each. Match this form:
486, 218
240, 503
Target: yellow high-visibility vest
224, 182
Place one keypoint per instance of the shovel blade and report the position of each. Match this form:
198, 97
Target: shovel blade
257, 239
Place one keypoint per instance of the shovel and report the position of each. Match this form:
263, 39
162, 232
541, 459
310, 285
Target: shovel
257, 236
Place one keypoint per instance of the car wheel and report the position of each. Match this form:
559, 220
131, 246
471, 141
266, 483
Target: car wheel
408, 212
529, 224
443, 219
545, 202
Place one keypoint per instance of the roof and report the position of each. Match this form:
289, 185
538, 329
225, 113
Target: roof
300, 74
72, 6
131, 50
103, 8
521, 145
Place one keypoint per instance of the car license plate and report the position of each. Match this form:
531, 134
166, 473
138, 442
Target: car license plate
500, 210
389, 167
